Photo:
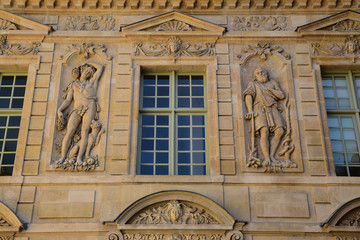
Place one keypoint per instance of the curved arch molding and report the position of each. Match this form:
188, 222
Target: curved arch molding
9, 223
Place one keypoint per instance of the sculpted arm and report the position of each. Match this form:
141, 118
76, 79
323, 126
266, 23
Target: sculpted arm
65, 104
277, 91
97, 74
249, 106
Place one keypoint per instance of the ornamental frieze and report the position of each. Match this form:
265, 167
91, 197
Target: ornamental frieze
89, 23
18, 48
259, 23
174, 47
346, 25
174, 236
350, 47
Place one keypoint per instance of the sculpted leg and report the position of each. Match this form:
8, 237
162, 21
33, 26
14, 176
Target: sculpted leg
264, 145
275, 141
72, 125
87, 118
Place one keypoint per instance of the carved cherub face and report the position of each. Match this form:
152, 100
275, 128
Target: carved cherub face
261, 75
351, 46
174, 45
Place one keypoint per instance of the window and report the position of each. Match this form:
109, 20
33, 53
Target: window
12, 91
172, 124
342, 99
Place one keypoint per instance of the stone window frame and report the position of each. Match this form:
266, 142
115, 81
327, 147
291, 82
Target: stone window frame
30, 65
187, 64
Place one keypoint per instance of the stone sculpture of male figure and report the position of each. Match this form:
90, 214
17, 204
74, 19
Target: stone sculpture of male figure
262, 97
82, 92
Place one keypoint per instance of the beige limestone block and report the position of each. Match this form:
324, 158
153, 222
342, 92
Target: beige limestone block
226, 137
42, 81
32, 152
31, 168
227, 152
304, 70
47, 47
311, 122
118, 167
120, 108
27, 194
222, 48
303, 59
313, 137
122, 95
214, 19
227, 167
21, 238
298, 20
125, 48
224, 95
306, 82
124, 59
123, 81
81, 196
25, 211
111, 194
120, 122
309, 108
225, 123
10, 195
110, 210
307, 95
46, 57
284, 205
302, 48
317, 168
54, 210
315, 152
45, 68
323, 212
54, 196
237, 202
119, 151
223, 59
223, 81
40, 95
37, 123
225, 109
223, 70
35, 137
39, 108
124, 69
320, 195
120, 137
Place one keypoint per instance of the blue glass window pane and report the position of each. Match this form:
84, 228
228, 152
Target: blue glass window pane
198, 132
5, 91
339, 158
163, 91
337, 146
183, 120
197, 80
2, 133
198, 157
147, 157
163, 80
162, 132
183, 80
184, 145
9, 159
147, 144
197, 91
329, 92
163, 102
347, 122
183, 157
183, 102
333, 121
6, 171
3, 121
146, 169
147, 132
148, 102
162, 120
340, 82
184, 170
10, 146
162, 170
351, 146
340, 171
198, 144
199, 170
335, 133
148, 120
354, 171
341, 92
327, 82
183, 132
162, 145
344, 103
183, 91
197, 102
7, 80
330, 103
198, 120
17, 103
353, 158
4, 103
12, 133
162, 157
19, 91
349, 134
149, 91
13, 121
149, 79
20, 80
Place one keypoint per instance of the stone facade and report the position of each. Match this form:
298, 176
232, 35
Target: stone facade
270, 173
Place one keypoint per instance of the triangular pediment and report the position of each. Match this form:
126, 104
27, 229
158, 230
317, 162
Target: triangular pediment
343, 23
13, 24
172, 23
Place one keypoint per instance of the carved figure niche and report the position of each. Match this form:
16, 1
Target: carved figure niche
269, 110
79, 116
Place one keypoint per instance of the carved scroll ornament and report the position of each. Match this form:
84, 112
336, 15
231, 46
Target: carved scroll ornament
7, 25
86, 49
17, 48
350, 47
259, 23
90, 23
264, 50
174, 47
175, 212
173, 26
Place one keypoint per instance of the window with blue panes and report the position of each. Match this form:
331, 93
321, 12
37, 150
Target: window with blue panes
12, 92
172, 125
342, 99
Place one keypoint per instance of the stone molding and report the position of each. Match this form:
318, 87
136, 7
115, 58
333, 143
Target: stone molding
9, 223
7, 25
7, 48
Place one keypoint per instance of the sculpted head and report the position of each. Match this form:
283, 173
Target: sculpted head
75, 73
86, 72
351, 45
261, 75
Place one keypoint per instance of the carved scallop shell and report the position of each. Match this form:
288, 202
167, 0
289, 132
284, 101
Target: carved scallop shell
7, 25
347, 25
173, 26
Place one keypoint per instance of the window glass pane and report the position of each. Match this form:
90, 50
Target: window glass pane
183, 102
5, 91
163, 91
199, 170
184, 145
197, 102
147, 132
344, 103
335, 133
4, 103
8, 159
162, 102
162, 170
162, 145
149, 79
20, 80
147, 170
354, 171
162, 157
340, 82
13, 121
17, 103
349, 133
330, 103
347, 122
351, 146
183, 157
6, 171
183, 132
199, 157
183, 120
337, 146
7, 80
183, 80
341, 171
162, 132
183, 170
147, 145
333, 121
183, 91
19, 91
162, 120
339, 158
149, 91
148, 102
148, 119
327, 82
353, 158
147, 157
10, 146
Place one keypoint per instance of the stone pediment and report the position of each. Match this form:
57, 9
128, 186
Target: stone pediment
14, 24
343, 23
9, 222
173, 23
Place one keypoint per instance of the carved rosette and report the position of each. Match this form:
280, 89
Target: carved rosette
350, 48
174, 47
175, 212
7, 25
17, 48
264, 50
174, 26
90, 23
259, 23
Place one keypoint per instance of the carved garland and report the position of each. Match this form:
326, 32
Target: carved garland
17, 48
264, 50
259, 23
174, 47
90, 23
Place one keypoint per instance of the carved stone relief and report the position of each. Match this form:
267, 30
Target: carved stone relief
6, 237
89, 23
7, 25
347, 238
350, 47
78, 115
173, 26
174, 47
264, 50
3, 222
258, 23
351, 219
17, 48
346, 25
175, 212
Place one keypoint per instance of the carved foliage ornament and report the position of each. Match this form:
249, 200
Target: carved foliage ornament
264, 50
174, 47
86, 49
173, 26
90, 23
7, 25
347, 25
350, 47
17, 48
175, 212
259, 23
351, 219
